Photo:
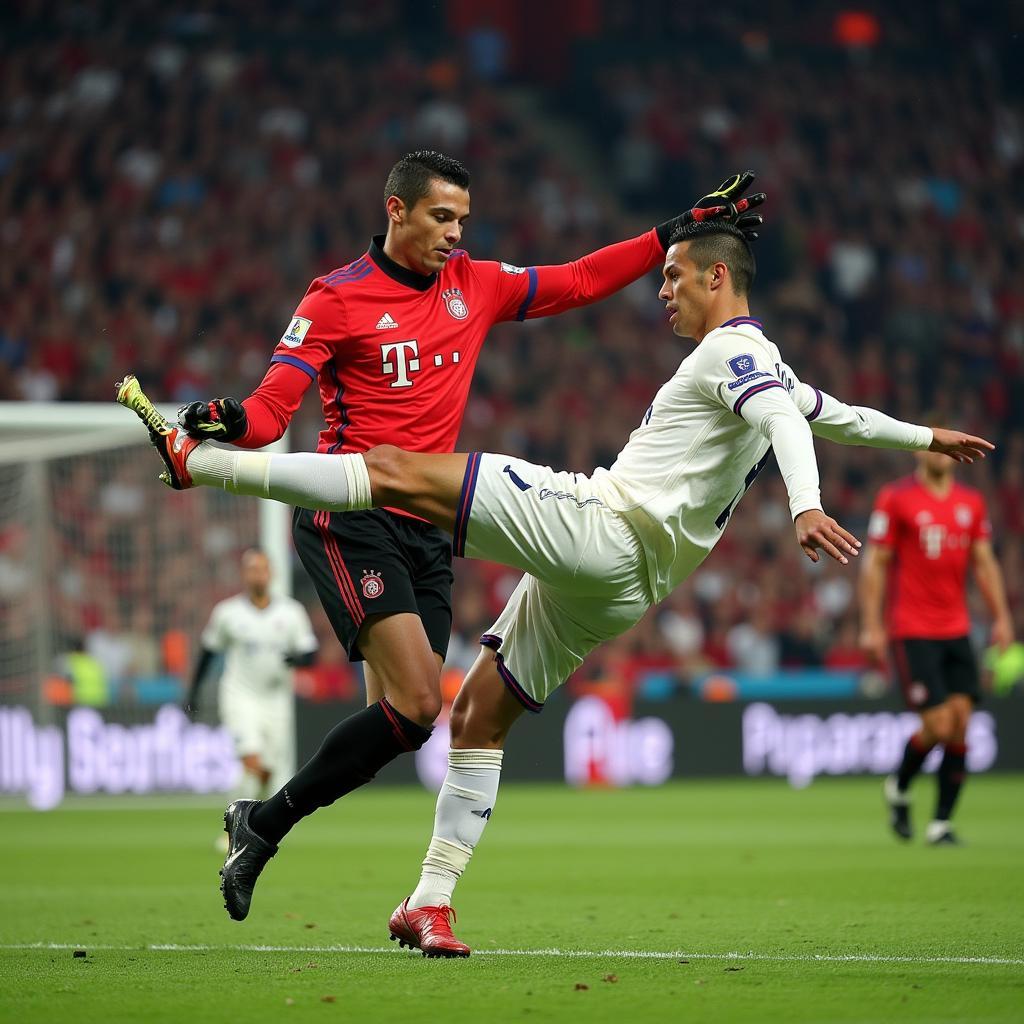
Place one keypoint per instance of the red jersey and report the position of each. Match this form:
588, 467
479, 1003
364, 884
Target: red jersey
931, 540
393, 351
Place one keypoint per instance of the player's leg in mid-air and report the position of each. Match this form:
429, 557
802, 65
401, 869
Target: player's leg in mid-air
587, 579
939, 680
385, 583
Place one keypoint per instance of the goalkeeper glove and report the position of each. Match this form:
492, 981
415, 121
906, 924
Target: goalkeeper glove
223, 419
726, 202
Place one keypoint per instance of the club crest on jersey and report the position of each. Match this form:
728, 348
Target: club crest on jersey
373, 585
456, 303
742, 365
296, 332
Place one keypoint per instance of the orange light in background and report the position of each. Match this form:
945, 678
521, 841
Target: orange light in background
857, 29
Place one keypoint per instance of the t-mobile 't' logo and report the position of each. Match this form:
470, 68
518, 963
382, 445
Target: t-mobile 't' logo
400, 358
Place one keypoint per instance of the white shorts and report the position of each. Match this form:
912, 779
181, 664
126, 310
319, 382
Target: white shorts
586, 576
262, 724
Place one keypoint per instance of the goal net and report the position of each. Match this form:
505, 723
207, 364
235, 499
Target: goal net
106, 575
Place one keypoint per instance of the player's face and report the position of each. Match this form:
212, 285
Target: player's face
255, 573
935, 464
685, 293
425, 235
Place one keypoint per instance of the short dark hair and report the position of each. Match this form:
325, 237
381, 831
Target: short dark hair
716, 241
410, 178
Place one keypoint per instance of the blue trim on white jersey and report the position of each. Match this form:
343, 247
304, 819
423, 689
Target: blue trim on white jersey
816, 411
756, 390
738, 321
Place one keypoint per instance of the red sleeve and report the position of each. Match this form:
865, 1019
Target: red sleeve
309, 341
314, 330
882, 526
271, 406
982, 523
523, 293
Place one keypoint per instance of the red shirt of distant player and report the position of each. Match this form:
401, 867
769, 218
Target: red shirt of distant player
393, 351
931, 539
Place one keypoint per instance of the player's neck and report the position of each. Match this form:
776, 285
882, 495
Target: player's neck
729, 308
397, 254
938, 484
260, 600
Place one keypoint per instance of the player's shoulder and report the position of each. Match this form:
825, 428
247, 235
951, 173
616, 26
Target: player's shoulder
903, 489
968, 494
741, 343
227, 606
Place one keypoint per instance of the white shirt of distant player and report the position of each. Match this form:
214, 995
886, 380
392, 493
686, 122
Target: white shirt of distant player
707, 435
255, 642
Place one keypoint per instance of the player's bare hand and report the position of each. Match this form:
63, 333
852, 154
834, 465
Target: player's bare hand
1002, 633
959, 446
872, 642
815, 530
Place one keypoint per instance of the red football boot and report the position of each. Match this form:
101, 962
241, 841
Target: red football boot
172, 444
428, 929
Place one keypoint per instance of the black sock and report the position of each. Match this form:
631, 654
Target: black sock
351, 755
952, 773
913, 757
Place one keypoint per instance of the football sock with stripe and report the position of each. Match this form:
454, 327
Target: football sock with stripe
338, 483
464, 807
952, 772
350, 756
914, 754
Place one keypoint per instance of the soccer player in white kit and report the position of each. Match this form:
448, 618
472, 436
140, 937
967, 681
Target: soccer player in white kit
263, 638
598, 550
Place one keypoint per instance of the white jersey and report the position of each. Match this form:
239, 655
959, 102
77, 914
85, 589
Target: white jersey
255, 642
708, 434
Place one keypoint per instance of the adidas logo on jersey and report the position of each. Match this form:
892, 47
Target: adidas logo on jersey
387, 323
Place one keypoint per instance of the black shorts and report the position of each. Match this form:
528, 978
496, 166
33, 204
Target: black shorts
929, 671
377, 563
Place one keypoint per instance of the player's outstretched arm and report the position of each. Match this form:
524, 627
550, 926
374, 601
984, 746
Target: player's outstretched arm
550, 290
959, 446
861, 425
817, 531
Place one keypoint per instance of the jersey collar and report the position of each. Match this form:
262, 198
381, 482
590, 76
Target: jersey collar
403, 275
742, 321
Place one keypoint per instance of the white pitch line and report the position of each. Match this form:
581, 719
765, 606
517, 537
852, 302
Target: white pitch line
569, 954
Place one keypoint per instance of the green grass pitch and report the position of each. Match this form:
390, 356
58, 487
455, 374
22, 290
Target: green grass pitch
760, 903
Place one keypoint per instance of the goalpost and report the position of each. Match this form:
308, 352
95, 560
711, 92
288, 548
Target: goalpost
94, 550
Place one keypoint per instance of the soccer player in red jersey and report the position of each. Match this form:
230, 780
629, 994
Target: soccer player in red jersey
926, 530
391, 341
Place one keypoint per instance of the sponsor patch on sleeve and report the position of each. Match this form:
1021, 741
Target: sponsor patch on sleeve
736, 384
742, 365
511, 268
878, 524
296, 332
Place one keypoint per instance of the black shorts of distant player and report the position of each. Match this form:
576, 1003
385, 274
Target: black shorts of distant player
930, 670
377, 563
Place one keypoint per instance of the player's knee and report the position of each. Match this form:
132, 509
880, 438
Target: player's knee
420, 702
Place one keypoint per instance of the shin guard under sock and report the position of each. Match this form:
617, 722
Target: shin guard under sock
350, 756
952, 772
913, 757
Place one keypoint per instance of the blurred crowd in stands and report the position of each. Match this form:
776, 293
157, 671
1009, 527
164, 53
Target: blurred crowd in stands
170, 183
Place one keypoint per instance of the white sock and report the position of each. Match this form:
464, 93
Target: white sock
338, 483
464, 806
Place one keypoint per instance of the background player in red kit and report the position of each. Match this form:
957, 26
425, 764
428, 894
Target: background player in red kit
391, 340
925, 531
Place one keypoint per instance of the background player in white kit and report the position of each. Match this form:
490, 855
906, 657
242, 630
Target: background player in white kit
598, 550
263, 638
